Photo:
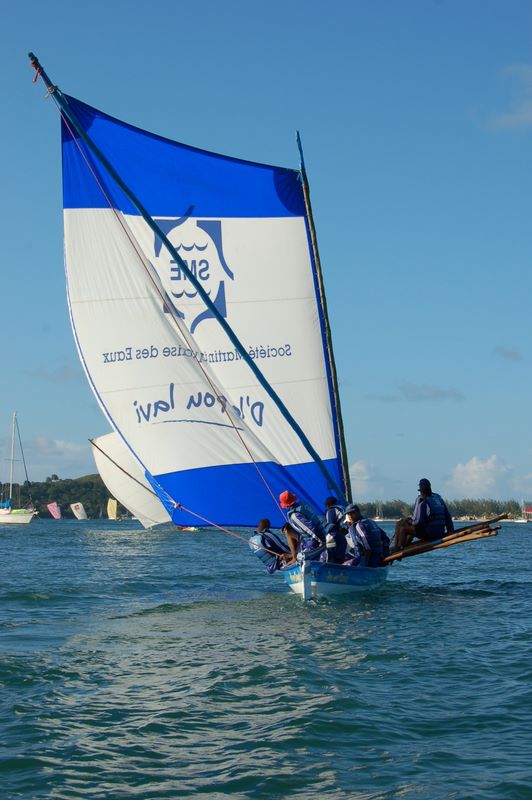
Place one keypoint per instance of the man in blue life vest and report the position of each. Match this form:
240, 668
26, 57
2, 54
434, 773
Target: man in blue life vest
334, 513
368, 544
431, 516
274, 545
308, 527
335, 541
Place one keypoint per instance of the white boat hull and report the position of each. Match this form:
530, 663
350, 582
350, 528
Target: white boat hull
16, 516
314, 579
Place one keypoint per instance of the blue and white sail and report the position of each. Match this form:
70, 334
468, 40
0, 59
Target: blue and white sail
167, 375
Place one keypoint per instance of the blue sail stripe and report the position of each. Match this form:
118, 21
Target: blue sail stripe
164, 174
236, 494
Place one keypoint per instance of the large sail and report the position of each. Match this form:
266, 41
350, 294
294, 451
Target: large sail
123, 476
54, 510
169, 378
78, 510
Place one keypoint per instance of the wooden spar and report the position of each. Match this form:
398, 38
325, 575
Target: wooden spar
326, 326
471, 537
445, 541
479, 525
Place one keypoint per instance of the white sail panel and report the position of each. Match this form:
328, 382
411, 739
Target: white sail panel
180, 393
121, 473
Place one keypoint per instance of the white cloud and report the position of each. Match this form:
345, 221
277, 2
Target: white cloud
479, 478
67, 459
519, 115
426, 392
508, 353
419, 393
53, 446
368, 483
65, 374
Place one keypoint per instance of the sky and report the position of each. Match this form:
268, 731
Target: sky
416, 122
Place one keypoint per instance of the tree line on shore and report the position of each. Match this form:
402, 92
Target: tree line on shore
91, 491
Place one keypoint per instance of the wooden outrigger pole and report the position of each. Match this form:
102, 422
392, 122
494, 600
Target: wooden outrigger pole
471, 533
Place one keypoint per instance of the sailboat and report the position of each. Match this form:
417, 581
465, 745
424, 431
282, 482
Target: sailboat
8, 514
78, 510
54, 510
198, 309
123, 476
112, 510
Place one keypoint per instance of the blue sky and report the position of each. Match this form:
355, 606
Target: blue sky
416, 120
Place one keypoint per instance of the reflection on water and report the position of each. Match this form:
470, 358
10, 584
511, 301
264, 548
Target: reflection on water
159, 665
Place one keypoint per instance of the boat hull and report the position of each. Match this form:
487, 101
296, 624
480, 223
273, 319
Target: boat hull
16, 517
313, 579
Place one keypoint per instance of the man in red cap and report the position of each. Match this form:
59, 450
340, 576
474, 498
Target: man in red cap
303, 520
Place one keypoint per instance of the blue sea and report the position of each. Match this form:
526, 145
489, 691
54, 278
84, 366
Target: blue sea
170, 665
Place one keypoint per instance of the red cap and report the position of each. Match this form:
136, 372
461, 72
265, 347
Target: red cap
287, 499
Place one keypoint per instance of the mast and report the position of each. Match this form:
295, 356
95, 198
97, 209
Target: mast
326, 326
12, 455
65, 109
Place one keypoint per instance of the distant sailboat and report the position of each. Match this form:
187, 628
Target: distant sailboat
78, 510
123, 476
8, 514
54, 510
112, 509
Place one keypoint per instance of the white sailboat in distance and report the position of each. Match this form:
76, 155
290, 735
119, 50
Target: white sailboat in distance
78, 510
8, 514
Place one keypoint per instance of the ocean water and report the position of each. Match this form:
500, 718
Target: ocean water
170, 665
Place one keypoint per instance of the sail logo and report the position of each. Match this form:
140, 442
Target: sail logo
199, 245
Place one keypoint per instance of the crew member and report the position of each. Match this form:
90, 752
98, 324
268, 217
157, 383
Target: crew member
304, 520
431, 518
365, 539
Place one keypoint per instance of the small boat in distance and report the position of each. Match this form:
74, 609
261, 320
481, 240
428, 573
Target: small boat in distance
78, 510
112, 510
8, 514
54, 510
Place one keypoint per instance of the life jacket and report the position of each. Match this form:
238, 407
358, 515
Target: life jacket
269, 547
335, 515
436, 517
377, 539
306, 522
335, 544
